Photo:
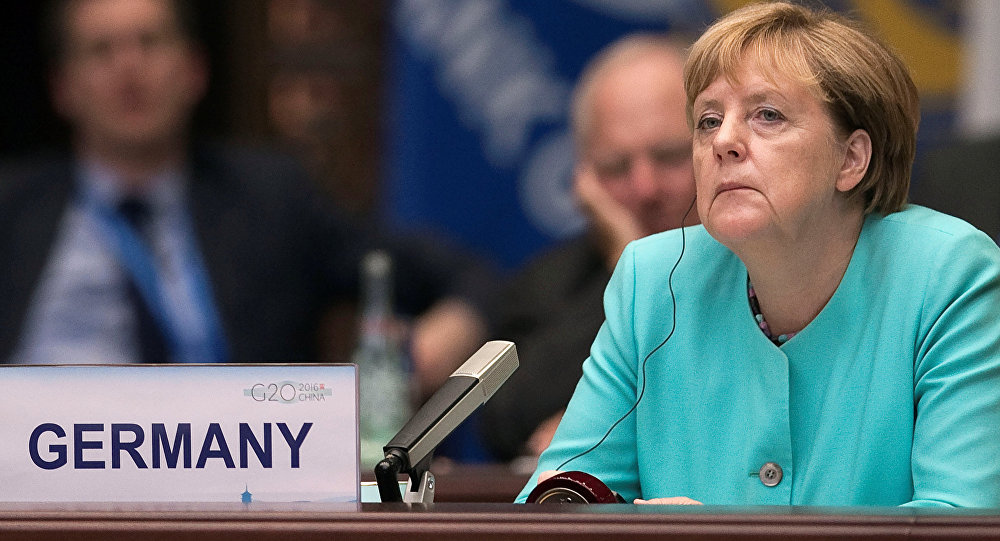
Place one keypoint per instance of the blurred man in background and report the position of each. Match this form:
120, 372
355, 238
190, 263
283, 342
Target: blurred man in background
146, 245
633, 178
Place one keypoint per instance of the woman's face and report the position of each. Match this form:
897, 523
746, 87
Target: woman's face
767, 159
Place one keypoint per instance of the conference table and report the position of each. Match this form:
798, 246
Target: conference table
485, 514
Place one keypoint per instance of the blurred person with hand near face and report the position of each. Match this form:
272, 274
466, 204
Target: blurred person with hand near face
633, 178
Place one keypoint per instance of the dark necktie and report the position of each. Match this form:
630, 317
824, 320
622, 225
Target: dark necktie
152, 344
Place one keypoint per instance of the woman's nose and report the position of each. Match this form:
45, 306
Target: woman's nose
729, 142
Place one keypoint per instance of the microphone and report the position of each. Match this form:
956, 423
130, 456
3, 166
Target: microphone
467, 388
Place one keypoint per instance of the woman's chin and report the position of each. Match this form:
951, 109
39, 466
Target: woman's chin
736, 229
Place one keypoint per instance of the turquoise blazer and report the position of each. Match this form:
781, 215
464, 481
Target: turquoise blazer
890, 396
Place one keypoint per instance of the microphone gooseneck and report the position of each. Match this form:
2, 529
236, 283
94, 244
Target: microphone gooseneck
386, 472
470, 386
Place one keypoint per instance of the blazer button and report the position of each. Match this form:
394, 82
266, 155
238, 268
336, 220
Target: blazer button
770, 474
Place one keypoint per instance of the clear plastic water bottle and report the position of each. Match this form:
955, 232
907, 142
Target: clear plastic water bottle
382, 365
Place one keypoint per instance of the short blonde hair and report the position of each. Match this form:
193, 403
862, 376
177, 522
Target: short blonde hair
864, 84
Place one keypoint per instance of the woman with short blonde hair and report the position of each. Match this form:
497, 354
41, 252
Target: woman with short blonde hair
817, 341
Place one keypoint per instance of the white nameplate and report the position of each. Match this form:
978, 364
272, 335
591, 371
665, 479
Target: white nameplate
179, 433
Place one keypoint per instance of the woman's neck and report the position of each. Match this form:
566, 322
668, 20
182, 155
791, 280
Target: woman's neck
793, 282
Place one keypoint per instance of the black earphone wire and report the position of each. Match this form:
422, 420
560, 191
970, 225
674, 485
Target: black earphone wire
673, 327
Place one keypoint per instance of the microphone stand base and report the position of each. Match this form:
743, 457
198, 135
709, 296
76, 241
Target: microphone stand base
423, 493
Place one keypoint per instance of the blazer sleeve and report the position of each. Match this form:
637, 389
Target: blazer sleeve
599, 427
956, 448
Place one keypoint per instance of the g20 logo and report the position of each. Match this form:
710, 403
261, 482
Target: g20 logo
288, 392
273, 392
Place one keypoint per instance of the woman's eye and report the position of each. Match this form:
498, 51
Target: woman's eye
770, 115
708, 123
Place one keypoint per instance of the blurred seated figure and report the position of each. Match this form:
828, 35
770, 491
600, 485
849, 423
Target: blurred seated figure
633, 178
144, 244
963, 179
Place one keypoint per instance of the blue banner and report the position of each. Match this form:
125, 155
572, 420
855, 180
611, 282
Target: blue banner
478, 146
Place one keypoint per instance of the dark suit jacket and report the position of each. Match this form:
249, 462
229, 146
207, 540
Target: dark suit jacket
276, 253
552, 310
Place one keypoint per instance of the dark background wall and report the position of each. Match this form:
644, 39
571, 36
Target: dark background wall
299, 74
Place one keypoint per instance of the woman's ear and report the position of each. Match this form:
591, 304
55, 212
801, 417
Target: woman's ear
856, 160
